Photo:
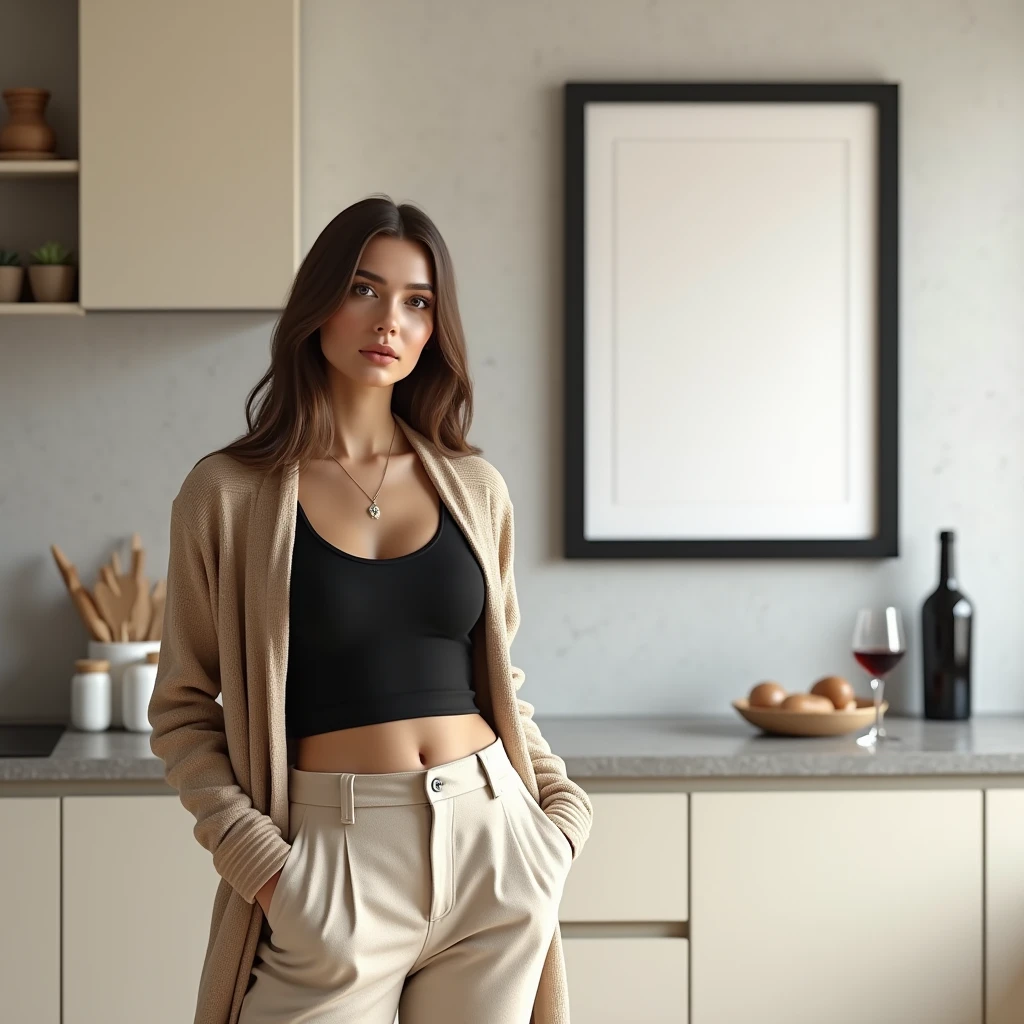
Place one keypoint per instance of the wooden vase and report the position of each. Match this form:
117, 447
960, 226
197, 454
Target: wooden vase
26, 134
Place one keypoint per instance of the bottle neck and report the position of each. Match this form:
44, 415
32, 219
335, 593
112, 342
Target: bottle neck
947, 570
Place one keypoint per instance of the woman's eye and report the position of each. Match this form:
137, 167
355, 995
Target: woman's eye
419, 298
356, 288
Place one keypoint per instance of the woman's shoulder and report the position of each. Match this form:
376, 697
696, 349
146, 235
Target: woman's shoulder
218, 486
472, 471
481, 478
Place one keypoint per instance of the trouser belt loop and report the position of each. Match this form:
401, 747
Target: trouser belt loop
496, 778
348, 798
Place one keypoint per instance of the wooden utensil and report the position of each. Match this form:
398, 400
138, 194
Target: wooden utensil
81, 598
156, 621
114, 605
132, 591
141, 612
127, 592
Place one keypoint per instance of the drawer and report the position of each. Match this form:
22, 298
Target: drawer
634, 866
614, 980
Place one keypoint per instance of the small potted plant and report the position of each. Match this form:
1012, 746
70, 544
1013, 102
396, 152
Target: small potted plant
52, 273
12, 273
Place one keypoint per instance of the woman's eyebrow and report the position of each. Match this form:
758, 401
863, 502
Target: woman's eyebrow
380, 280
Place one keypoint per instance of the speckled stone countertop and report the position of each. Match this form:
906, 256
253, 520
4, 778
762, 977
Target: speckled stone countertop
635, 748
729, 748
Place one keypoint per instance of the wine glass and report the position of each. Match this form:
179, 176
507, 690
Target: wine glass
879, 642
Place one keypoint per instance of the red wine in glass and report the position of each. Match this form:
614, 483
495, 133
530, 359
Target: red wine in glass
879, 642
878, 663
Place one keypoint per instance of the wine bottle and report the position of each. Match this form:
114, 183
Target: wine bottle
946, 619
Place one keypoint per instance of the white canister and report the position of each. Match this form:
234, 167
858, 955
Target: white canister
136, 691
120, 655
90, 695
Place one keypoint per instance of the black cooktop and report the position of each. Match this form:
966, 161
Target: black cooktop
29, 740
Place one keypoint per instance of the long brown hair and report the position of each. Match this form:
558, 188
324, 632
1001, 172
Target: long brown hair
288, 412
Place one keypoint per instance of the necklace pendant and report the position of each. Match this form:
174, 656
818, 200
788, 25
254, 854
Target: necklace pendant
373, 511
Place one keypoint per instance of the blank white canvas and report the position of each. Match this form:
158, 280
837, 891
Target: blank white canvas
730, 326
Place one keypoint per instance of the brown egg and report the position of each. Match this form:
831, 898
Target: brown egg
766, 695
850, 706
836, 688
810, 702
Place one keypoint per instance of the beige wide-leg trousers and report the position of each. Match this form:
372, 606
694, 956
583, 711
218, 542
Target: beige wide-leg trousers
433, 892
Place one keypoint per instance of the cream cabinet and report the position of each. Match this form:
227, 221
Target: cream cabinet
138, 892
842, 907
633, 867
30, 910
1004, 906
189, 153
711, 907
614, 980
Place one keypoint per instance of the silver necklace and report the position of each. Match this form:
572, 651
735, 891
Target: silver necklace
373, 511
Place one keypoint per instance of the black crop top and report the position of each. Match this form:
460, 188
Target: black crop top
380, 639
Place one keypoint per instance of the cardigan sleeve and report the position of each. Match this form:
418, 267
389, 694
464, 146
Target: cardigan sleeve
188, 726
561, 799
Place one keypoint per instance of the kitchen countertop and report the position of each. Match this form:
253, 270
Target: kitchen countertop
632, 748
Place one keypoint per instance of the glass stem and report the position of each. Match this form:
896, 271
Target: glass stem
878, 688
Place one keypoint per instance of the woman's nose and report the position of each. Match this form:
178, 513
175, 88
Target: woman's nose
388, 323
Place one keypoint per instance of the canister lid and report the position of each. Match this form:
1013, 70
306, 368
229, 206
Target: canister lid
92, 665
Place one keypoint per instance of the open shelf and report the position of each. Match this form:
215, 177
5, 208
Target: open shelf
41, 309
38, 169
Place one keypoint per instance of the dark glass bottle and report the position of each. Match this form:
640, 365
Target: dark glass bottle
946, 619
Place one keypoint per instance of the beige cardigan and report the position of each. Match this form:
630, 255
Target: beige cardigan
226, 632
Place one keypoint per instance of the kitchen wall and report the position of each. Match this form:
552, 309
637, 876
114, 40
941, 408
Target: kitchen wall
456, 105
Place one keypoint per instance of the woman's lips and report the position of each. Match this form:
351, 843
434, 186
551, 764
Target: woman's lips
380, 358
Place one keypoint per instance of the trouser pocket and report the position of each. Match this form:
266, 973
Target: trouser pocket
543, 846
291, 872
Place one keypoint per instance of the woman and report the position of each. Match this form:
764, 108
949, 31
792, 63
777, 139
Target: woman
391, 829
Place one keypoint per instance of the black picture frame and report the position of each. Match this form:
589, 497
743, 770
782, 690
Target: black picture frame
884, 97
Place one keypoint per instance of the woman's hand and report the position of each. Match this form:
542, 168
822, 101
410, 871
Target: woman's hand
266, 893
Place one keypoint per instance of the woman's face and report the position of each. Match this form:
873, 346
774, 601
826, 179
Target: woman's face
390, 303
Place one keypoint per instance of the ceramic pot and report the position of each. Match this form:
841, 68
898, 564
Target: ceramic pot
26, 130
52, 282
120, 655
11, 279
90, 695
139, 680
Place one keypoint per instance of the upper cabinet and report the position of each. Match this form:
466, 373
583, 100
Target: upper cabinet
188, 136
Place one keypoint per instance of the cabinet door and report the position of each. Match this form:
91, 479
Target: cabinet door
189, 159
1004, 906
842, 907
30, 910
138, 894
634, 865
639, 980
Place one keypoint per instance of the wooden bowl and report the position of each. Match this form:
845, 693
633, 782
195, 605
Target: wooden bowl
811, 723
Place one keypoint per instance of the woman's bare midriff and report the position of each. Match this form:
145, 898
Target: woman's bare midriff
404, 746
